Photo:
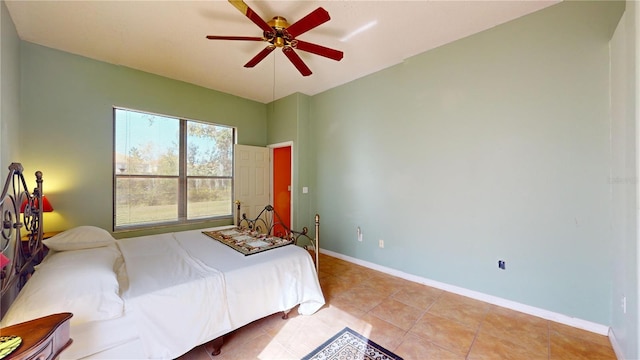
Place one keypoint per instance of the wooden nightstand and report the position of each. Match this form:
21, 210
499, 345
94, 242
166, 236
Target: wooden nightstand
42, 339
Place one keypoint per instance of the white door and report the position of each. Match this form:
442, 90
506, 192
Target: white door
251, 179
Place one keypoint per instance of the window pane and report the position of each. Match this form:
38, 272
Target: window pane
208, 197
146, 144
209, 150
144, 200
154, 157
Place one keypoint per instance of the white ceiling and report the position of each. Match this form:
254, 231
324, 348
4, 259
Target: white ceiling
168, 37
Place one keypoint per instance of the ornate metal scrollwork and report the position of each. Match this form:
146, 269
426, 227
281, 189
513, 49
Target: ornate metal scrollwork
18, 255
269, 222
8, 219
7, 234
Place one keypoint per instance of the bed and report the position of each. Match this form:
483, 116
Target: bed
159, 296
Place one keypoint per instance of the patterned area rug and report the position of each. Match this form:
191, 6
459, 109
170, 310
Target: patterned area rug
349, 345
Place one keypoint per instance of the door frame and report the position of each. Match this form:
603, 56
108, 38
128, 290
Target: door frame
293, 193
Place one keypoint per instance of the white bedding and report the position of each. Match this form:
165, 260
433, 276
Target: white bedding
175, 299
183, 289
100, 339
280, 278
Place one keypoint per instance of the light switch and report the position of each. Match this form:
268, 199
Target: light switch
305, 189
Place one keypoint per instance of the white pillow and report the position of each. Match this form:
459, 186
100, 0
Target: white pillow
82, 282
81, 237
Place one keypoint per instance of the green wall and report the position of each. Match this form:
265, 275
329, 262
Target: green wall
492, 147
66, 110
625, 87
9, 115
288, 120
9, 92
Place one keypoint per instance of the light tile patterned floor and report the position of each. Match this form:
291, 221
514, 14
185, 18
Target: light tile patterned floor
415, 321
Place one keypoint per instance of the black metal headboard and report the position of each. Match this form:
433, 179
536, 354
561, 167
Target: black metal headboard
18, 256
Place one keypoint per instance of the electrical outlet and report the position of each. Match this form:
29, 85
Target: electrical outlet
359, 232
381, 243
502, 264
624, 304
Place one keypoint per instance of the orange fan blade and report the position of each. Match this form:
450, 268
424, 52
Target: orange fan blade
246, 11
317, 49
315, 18
261, 55
248, 38
296, 61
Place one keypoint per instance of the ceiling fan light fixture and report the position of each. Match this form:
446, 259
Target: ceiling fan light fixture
279, 33
278, 23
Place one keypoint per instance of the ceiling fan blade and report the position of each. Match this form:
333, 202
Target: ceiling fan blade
248, 38
296, 61
316, 17
317, 49
261, 55
246, 11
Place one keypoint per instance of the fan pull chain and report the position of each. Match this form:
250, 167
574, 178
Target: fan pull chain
274, 80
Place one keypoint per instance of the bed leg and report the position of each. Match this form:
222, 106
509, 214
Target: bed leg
285, 314
217, 345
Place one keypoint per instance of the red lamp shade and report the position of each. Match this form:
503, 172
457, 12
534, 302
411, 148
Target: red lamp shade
46, 205
4, 260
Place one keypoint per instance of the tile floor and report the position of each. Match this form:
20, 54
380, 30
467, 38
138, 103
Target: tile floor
414, 321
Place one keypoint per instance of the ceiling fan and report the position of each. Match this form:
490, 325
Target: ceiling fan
279, 33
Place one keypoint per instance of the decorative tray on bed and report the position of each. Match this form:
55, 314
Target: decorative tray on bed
247, 242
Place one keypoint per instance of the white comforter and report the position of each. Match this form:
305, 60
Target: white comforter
261, 284
177, 302
186, 289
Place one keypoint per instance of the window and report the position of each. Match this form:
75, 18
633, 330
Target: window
169, 170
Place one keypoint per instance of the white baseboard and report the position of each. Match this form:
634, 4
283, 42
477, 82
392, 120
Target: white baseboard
531, 310
615, 345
